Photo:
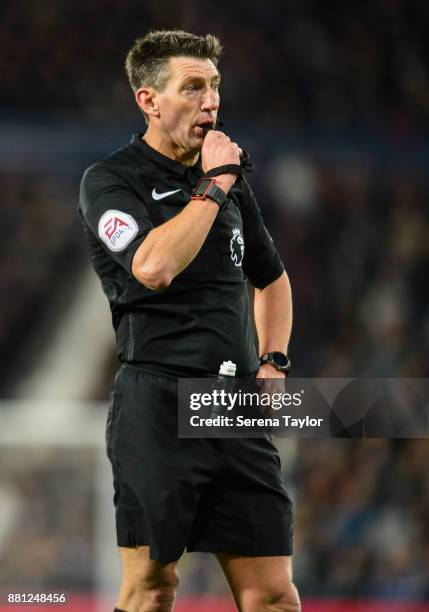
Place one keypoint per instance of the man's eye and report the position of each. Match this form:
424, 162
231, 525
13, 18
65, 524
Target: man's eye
216, 86
191, 88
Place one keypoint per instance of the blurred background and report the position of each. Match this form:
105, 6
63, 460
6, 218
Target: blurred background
332, 101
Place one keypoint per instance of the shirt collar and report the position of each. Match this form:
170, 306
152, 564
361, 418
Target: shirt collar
159, 159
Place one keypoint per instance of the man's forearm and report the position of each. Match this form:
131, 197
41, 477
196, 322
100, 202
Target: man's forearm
169, 248
273, 315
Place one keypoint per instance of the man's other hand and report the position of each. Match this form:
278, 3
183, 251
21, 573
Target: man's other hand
218, 150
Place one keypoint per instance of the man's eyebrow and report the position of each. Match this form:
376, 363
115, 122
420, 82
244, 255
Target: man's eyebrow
199, 78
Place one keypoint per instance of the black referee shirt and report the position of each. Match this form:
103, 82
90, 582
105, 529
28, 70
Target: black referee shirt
202, 318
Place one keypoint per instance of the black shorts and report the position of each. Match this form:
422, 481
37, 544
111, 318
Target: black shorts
202, 494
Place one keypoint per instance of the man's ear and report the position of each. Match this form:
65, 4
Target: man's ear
146, 100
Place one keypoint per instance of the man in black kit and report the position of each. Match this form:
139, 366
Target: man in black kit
173, 253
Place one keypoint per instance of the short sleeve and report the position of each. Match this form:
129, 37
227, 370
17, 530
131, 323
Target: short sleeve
113, 213
261, 262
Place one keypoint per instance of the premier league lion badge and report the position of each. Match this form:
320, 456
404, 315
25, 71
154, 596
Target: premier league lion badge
236, 246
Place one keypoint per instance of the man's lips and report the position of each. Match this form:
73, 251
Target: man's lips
206, 125
200, 131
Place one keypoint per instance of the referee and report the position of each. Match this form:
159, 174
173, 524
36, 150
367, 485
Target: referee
173, 249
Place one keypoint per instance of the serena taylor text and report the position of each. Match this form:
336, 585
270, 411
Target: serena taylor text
241, 421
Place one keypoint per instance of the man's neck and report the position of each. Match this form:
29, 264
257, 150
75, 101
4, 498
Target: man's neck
157, 142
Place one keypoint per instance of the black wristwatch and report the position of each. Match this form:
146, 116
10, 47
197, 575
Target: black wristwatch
207, 188
279, 361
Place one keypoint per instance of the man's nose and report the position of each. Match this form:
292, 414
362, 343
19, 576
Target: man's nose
210, 101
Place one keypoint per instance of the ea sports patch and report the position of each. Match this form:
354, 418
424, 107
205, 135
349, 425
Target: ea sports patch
116, 229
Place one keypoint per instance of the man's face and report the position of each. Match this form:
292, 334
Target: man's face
190, 99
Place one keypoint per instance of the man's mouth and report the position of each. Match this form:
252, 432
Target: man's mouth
205, 126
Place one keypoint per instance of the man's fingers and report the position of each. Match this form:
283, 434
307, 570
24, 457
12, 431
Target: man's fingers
218, 150
214, 135
268, 386
240, 151
259, 383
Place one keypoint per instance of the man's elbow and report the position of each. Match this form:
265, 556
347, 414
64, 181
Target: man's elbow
280, 283
152, 277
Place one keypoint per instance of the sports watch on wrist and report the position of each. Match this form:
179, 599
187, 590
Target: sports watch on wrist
207, 188
279, 361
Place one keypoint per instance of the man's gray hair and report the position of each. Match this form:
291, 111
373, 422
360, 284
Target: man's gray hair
147, 60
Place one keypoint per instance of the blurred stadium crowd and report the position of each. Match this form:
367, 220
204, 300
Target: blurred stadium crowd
362, 520
38, 251
333, 64
332, 101
47, 529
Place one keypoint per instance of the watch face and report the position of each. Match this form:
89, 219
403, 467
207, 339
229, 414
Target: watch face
202, 186
280, 359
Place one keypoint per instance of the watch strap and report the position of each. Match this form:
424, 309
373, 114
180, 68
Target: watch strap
245, 165
217, 194
227, 169
211, 191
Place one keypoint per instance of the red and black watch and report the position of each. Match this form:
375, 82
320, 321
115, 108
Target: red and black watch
207, 188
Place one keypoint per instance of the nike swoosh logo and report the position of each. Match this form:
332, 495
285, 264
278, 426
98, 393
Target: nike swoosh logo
160, 196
